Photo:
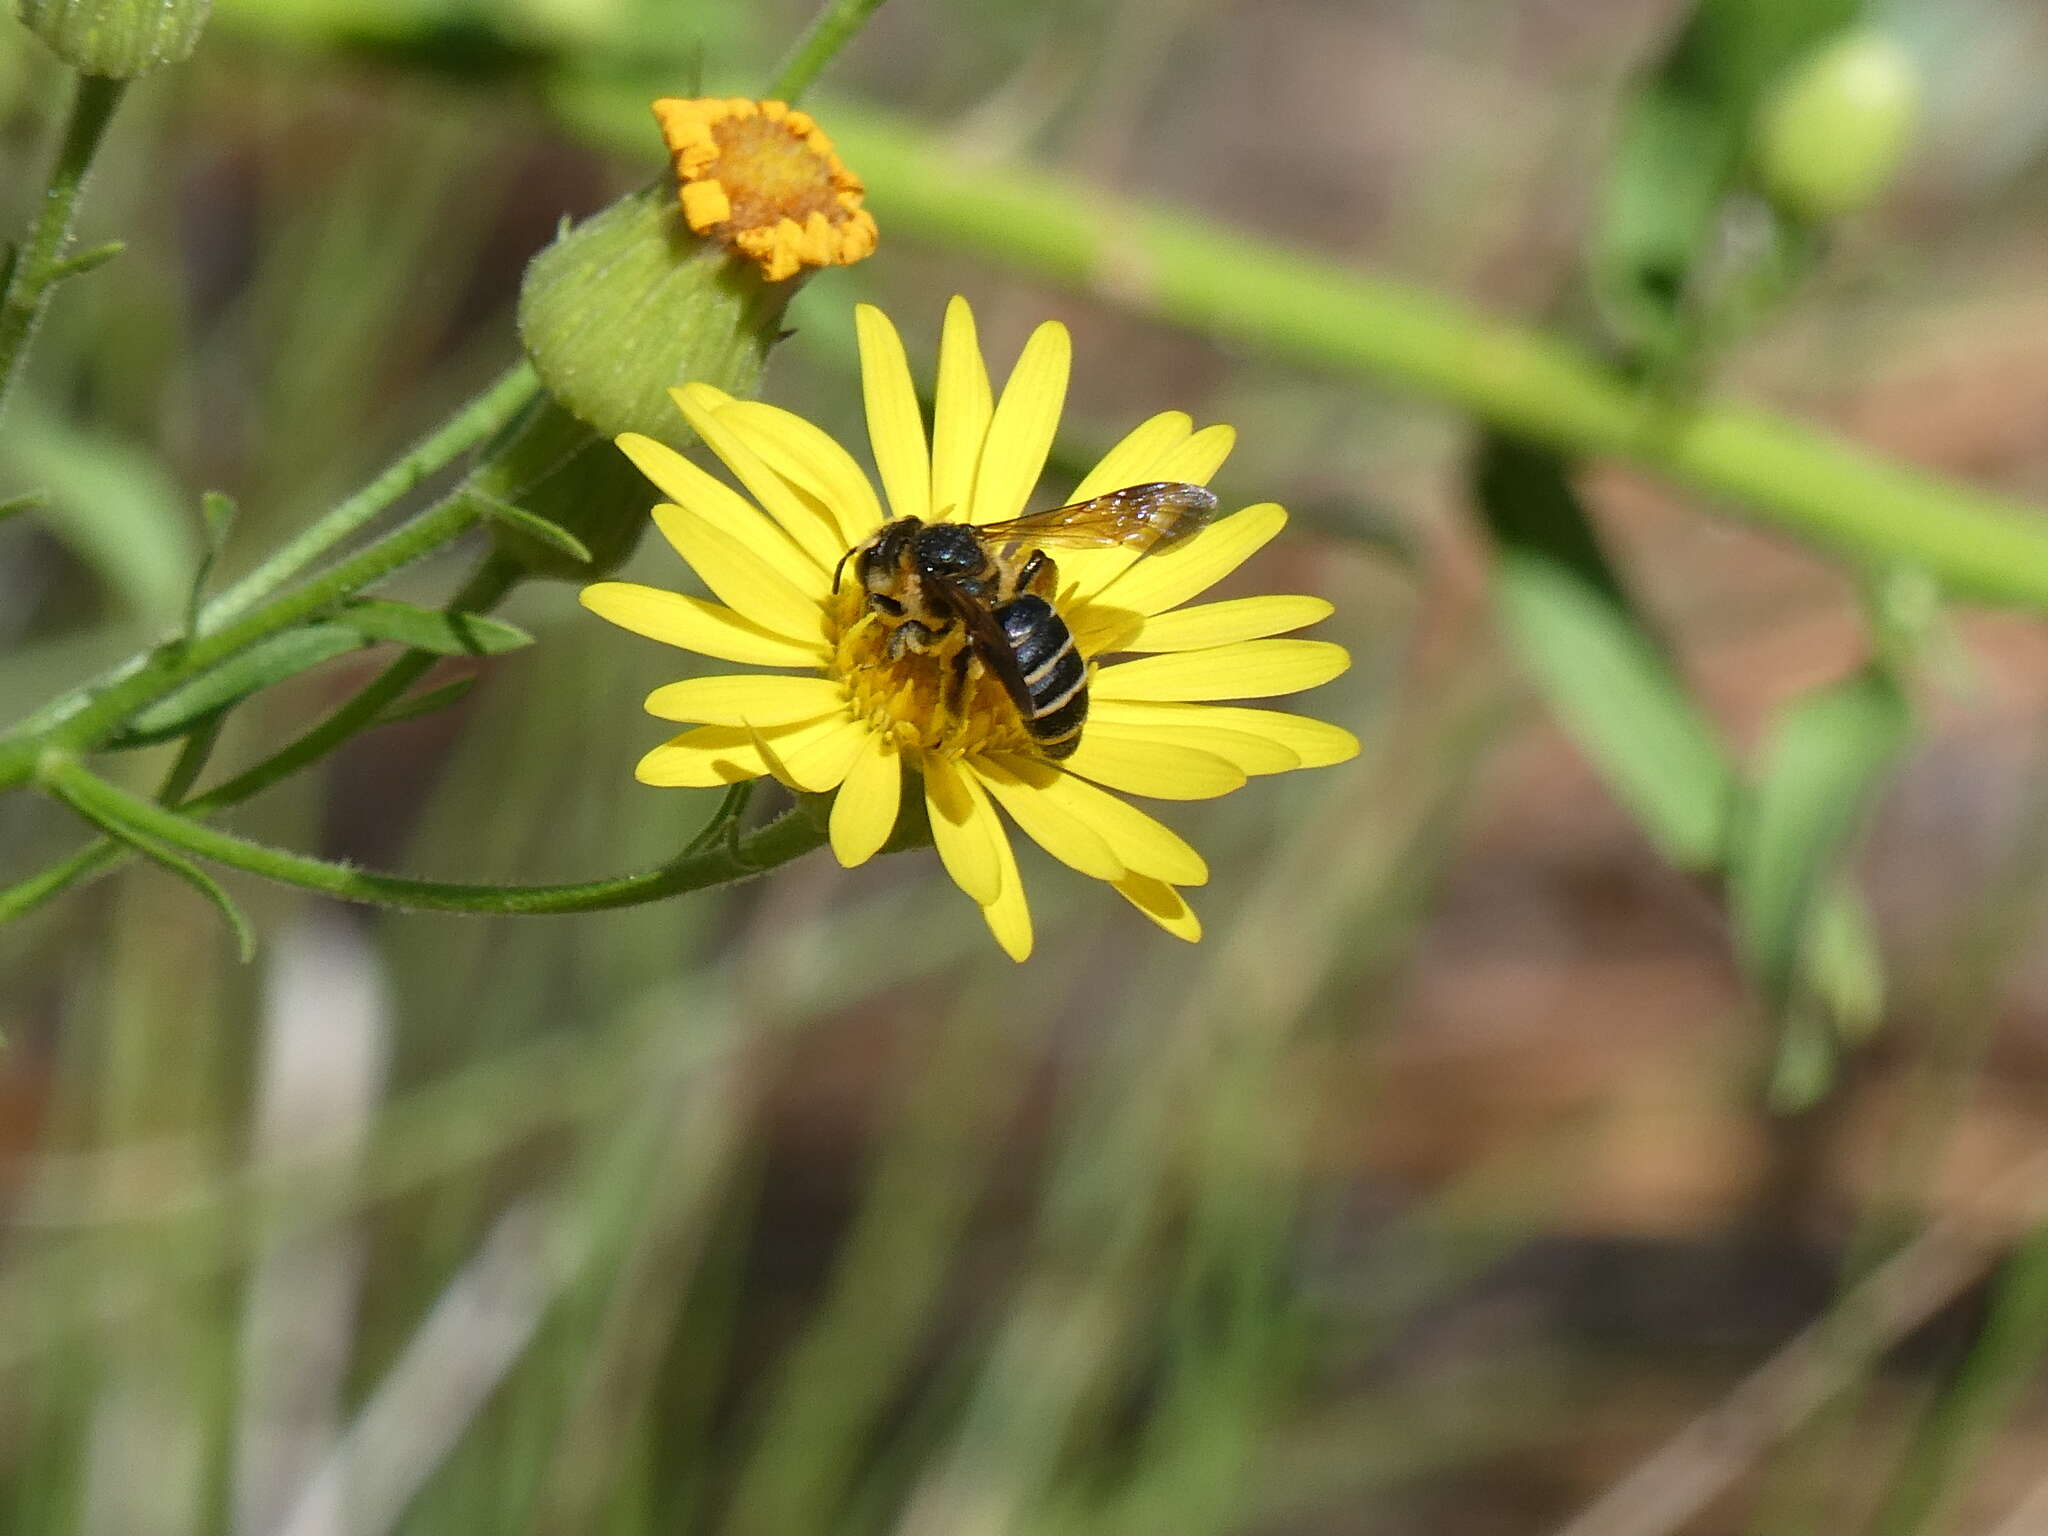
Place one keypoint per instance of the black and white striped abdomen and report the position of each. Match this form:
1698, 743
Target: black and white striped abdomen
1055, 677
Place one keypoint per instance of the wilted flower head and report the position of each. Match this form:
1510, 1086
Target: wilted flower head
761, 176
854, 707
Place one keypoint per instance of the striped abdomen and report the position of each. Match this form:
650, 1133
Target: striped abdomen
1055, 678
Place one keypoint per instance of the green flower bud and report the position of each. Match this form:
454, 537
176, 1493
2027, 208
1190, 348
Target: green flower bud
613, 314
119, 39
630, 303
1832, 133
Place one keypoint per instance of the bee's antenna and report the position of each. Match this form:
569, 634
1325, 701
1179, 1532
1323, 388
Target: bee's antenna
840, 568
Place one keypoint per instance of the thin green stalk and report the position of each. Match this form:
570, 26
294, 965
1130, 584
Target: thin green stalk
170, 667
790, 836
40, 266
1318, 313
830, 30
483, 591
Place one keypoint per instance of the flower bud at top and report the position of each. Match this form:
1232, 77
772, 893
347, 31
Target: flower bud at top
636, 300
119, 39
1832, 133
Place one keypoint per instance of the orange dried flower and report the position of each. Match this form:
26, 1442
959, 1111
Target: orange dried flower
761, 176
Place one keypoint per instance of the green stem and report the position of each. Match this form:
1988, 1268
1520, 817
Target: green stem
98, 716
493, 579
1255, 295
790, 836
39, 267
830, 30
25, 896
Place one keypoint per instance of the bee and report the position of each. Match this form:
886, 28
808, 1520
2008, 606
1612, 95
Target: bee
994, 585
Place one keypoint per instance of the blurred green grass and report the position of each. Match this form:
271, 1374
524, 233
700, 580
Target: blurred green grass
800, 1209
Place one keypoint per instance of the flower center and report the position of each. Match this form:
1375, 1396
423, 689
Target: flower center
942, 700
770, 173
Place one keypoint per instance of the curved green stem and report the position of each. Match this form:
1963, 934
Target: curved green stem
98, 716
1316, 312
493, 579
830, 30
790, 836
39, 266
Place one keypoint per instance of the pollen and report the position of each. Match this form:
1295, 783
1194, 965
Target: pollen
942, 700
762, 177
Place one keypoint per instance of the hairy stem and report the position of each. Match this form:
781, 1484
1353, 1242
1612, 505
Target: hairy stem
789, 836
830, 30
484, 590
39, 265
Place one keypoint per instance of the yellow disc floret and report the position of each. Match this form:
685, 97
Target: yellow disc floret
941, 700
762, 177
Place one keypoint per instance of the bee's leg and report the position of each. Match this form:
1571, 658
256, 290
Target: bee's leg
1039, 577
911, 637
957, 678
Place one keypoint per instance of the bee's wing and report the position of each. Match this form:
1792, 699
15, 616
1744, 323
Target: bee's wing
1140, 517
990, 643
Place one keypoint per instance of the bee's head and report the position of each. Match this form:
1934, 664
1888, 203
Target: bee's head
948, 549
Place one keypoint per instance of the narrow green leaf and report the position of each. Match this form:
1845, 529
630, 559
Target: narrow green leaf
429, 629
532, 524
261, 666
217, 515
1596, 658
27, 501
176, 863
1823, 761
88, 260
427, 702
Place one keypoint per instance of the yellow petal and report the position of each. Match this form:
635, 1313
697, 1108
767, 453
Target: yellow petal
1163, 904
1136, 460
964, 829
1020, 432
725, 754
1174, 575
1243, 751
710, 629
1100, 629
1140, 842
1047, 821
1141, 765
1241, 618
1198, 459
1250, 669
808, 521
1009, 915
757, 698
960, 414
895, 420
864, 812
691, 487
1316, 742
808, 458
821, 762
732, 567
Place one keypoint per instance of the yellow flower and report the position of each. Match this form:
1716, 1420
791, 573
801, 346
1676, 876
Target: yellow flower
848, 717
762, 177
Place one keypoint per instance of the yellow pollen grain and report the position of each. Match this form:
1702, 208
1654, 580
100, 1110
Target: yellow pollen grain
907, 696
